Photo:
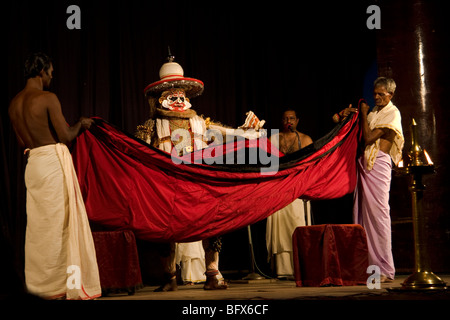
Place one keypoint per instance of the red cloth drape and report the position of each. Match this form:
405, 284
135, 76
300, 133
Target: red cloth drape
330, 255
127, 184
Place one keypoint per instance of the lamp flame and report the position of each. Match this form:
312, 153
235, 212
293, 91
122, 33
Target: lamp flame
428, 157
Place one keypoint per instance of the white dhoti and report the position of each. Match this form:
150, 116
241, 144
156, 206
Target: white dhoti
60, 255
191, 258
279, 229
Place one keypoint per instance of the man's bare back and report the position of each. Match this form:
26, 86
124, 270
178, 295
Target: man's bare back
30, 118
37, 117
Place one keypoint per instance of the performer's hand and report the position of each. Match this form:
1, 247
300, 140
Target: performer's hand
338, 117
252, 122
347, 111
86, 123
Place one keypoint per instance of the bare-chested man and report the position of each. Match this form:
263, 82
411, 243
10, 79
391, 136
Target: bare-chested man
281, 224
290, 139
58, 234
36, 114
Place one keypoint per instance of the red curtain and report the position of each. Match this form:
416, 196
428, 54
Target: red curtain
127, 184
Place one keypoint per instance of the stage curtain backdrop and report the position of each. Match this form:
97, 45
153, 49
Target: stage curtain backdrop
263, 58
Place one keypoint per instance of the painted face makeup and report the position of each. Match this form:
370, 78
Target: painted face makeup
176, 100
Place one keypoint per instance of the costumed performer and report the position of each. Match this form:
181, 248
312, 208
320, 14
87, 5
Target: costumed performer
58, 237
281, 224
170, 110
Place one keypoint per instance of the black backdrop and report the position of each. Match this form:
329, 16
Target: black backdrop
262, 56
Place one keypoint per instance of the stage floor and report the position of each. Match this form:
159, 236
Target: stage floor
270, 289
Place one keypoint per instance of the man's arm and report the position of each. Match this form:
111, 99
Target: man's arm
65, 133
370, 136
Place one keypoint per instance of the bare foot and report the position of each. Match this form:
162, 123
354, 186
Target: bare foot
212, 283
171, 285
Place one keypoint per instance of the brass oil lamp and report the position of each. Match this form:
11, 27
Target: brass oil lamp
419, 163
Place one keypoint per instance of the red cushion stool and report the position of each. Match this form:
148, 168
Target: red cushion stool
330, 254
118, 261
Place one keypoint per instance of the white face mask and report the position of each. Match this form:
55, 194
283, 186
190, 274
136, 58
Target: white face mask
176, 101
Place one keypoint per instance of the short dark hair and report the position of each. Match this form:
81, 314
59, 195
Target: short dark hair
35, 63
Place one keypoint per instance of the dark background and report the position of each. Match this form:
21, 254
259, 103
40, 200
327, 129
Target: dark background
263, 56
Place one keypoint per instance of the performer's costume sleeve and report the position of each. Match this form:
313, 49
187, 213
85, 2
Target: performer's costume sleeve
60, 257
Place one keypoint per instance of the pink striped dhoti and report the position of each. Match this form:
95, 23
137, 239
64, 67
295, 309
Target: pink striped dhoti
371, 210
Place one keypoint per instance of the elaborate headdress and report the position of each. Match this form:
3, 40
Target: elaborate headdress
171, 76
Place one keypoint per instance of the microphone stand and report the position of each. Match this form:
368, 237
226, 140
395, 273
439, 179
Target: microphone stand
252, 275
